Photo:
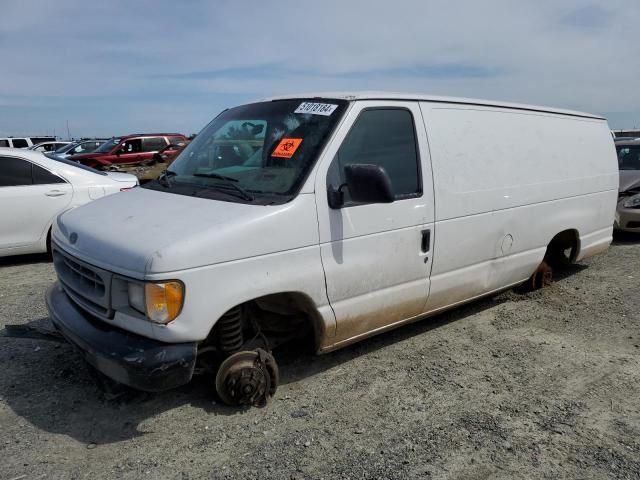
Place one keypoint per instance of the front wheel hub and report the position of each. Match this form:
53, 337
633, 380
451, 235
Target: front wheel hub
248, 378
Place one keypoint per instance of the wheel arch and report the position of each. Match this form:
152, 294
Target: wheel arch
288, 302
564, 240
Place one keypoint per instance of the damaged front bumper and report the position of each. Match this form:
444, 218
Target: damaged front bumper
125, 357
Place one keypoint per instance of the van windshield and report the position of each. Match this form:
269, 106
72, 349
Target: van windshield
256, 153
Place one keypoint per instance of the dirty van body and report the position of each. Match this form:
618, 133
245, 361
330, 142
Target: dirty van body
334, 217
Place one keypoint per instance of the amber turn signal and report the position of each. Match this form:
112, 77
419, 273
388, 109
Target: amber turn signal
163, 301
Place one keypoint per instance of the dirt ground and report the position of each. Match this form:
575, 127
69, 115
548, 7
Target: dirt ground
542, 385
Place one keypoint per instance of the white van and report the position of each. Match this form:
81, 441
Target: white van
338, 216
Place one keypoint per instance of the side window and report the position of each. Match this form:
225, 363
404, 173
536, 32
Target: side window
4, 143
44, 177
629, 158
14, 172
20, 143
384, 137
153, 144
131, 146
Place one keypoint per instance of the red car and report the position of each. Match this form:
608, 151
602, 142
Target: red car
132, 149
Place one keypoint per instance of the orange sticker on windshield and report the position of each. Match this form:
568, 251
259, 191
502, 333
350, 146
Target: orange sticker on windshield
287, 147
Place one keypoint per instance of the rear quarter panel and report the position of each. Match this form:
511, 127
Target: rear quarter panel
506, 182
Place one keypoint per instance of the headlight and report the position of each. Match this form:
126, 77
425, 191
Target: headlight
632, 202
160, 302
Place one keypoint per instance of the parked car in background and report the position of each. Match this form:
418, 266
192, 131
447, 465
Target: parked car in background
23, 142
48, 146
626, 133
336, 217
132, 149
628, 211
77, 148
149, 170
34, 189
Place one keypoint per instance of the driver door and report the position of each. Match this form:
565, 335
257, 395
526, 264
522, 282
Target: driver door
377, 257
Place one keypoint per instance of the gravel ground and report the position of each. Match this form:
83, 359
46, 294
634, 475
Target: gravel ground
542, 385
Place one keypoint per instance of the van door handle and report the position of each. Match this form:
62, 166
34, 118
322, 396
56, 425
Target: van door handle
426, 241
55, 193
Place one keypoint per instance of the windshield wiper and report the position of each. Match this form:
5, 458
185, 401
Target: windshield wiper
215, 175
229, 181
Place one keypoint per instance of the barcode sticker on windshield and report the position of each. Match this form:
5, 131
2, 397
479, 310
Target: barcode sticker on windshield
325, 109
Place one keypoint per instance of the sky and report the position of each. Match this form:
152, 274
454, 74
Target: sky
117, 67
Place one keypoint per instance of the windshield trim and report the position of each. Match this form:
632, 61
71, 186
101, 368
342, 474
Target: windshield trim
219, 194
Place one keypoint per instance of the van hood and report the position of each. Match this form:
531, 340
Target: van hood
145, 231
629, 180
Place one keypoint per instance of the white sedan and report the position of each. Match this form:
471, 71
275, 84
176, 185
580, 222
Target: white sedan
35, 189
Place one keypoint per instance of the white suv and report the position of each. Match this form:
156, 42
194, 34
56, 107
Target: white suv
23, 142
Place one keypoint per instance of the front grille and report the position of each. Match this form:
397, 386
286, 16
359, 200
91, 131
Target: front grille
84, 277
633, 225
88, 286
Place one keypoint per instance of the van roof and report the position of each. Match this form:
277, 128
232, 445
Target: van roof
376, 95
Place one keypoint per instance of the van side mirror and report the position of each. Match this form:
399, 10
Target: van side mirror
366, 184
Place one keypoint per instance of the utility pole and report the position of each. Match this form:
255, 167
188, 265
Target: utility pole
68, 134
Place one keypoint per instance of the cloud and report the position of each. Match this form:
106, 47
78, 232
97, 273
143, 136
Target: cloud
590, 17
115, 66
273, 70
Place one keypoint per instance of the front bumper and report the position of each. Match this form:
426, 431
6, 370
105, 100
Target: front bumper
627, 219
125, 357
